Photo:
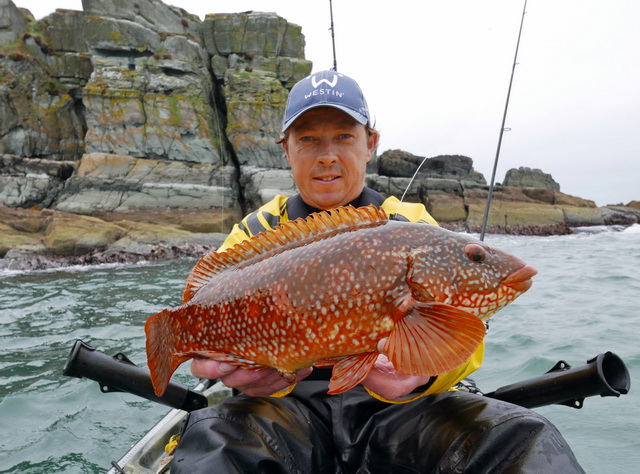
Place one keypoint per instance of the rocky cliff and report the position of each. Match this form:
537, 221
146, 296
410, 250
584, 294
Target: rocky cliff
126, 114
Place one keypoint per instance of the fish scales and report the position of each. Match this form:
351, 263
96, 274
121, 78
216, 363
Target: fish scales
325, 291
279, 307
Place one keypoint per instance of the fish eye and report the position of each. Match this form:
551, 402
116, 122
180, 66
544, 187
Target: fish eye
475, 253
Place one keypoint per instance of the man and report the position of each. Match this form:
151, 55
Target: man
278, 425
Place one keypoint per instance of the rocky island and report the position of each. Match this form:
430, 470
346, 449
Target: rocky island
146, 133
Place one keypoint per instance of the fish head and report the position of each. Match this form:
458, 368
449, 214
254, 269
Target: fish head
464, 272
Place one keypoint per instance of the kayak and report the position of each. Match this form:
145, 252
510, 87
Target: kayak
153, 452
605, 375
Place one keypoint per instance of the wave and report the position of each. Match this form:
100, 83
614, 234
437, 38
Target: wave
583, 230
78, 268
634, 229
598, 229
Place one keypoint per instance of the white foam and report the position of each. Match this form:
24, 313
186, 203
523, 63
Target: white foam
634, 229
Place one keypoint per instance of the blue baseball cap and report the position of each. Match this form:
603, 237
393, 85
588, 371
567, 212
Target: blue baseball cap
326, 89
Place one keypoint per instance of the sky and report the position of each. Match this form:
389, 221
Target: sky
436, 76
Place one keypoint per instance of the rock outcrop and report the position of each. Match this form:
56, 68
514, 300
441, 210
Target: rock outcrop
124, 121
524, 177
29, 182
34, 239
150, 82
108, 182
528, 201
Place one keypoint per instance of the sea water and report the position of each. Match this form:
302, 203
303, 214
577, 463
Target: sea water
584, 302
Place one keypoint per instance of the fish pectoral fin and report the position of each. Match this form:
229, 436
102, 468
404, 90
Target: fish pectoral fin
228, 358
433, 339
350, 371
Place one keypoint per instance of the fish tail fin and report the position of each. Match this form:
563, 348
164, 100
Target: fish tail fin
162, 357
433, 339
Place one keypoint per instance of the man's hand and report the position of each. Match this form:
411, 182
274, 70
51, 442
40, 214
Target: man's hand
255, 383
387, 382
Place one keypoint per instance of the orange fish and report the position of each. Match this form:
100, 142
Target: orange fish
324, 290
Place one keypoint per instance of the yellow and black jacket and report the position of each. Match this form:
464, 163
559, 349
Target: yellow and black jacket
282, 209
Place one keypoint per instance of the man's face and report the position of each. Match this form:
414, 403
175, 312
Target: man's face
328, 152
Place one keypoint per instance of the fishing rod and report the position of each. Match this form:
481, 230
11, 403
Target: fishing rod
412, 178
333, 37
502, 129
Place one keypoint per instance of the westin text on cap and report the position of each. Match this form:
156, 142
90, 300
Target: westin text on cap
326, 89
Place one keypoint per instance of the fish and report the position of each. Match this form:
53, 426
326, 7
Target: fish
325, 290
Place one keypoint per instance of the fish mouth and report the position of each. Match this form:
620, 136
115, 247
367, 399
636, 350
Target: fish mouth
520, 280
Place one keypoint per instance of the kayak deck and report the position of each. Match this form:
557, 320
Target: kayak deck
148, 455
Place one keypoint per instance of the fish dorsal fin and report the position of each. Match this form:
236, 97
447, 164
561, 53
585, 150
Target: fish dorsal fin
287, 235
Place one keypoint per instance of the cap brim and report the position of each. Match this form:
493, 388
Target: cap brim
357, 116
